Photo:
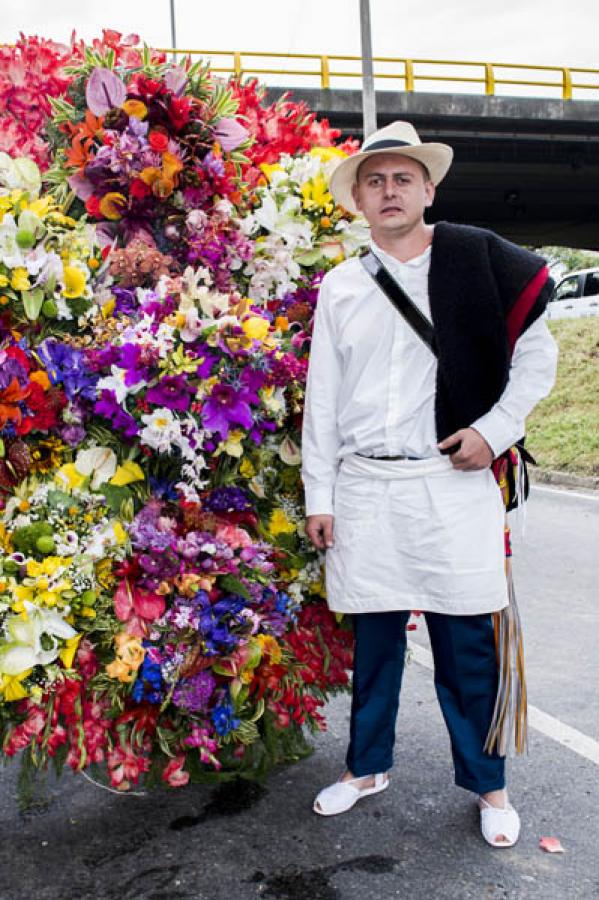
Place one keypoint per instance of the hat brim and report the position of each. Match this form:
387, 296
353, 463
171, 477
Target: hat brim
436, 157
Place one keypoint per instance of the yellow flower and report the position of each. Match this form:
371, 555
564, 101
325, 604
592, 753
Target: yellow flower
108, 308
111, 205
271, 647
246, 468
41, 206
280, 524
69, 477
67, 654
232, 445
126, 474
316, 194
3, 281
268, 169
74, 282
256, 327
119, 533
326, 154
11, 686
135, 108
20, 280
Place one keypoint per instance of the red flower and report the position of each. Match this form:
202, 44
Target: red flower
173, 773
139, 189
92, 205
179, 111
158, 141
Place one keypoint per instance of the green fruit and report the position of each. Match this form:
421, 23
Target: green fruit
25, 239
88, 598
49, 309
45, 544
10, 567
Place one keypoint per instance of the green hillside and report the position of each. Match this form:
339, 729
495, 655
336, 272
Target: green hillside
563, 431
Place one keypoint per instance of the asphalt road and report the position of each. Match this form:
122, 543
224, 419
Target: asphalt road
419, 839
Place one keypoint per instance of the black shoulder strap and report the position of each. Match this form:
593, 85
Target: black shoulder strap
400, 300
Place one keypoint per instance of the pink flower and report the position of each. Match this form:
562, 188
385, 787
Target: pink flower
173, 773
233, 536
137, 608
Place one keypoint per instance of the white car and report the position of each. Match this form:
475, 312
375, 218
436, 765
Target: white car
575, 295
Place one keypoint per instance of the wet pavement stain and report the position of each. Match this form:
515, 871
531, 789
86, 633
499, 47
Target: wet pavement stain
229, 799
315, 884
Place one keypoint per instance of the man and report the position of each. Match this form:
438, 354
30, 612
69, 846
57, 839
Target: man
396, 453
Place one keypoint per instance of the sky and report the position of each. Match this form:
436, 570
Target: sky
547, 32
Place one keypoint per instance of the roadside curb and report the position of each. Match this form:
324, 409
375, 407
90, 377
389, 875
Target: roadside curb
563, 479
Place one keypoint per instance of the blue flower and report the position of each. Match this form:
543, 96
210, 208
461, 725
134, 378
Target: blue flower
223, 718
148, 685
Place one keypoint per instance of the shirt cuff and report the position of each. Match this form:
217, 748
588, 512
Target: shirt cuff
319, 500
499, 430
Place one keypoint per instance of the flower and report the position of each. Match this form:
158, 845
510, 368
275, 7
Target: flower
135, 108
173, 772
112, 204
31, 639
225, 405
74, 282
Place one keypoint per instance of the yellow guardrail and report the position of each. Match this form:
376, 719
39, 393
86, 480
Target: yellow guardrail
411, 72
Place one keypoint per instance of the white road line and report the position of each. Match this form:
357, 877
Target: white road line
548, 725
564, 492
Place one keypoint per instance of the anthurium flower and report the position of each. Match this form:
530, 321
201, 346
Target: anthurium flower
23, 646
290, 452
112, 205
230, 134
127, 473
136, 607
74, 282
104, 91
97, 463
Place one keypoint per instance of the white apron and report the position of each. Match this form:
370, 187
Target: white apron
418, 535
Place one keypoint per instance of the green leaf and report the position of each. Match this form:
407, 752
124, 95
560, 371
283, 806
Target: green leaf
234, 586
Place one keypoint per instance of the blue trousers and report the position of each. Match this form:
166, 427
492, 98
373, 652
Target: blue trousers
466, 676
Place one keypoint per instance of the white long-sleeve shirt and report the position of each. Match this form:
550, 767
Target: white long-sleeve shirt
371, 379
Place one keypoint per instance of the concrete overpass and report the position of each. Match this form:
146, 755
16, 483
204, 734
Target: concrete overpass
528, 168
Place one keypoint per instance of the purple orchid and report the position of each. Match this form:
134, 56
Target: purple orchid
172, 391
226, 406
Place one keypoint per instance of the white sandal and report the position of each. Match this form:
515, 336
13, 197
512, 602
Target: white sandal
341, 796
496, 821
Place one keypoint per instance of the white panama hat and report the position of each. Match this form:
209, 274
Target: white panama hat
398, 137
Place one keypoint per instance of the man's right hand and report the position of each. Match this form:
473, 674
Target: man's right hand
320, 531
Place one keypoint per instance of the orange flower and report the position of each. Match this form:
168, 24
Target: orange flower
82, 138
9, 398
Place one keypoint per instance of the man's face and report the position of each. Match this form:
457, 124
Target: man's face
392, 192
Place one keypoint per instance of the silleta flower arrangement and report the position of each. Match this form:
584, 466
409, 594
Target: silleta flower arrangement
162, 612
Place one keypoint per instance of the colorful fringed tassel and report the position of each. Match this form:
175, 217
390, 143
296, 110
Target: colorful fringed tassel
510, 713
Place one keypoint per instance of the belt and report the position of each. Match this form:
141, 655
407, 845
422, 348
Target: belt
367, 456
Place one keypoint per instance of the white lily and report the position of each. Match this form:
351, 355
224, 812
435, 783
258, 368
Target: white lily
32, 641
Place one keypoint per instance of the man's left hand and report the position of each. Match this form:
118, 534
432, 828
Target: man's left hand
474, 452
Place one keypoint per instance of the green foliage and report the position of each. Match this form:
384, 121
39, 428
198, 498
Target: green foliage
563, 431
